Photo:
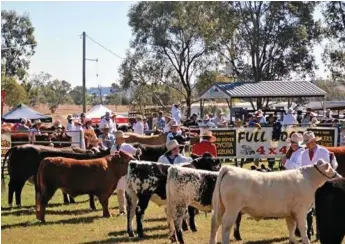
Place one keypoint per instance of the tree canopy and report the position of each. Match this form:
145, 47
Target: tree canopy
18, 43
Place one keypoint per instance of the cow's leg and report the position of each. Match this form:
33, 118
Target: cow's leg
178, 215
215, 223
71, 199
237, 234
302, 226
18, 191
104, 200
132, 201
65, 198
11, 190
191, 212
42, 199
310, 229
229, 219
140, 211
291, 224
184, 222
92, 202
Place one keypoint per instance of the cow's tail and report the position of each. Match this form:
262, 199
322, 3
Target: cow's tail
3, 184
217, 204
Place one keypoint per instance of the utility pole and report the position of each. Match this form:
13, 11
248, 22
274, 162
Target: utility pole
84, 82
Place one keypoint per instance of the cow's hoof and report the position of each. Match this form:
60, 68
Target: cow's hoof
130, 233
172, 239
141, 234
184, 226
193, 229
237, 237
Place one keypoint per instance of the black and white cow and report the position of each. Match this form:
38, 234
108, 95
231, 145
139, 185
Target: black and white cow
147, 181
189, 187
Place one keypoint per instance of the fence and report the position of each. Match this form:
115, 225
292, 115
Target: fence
10, 139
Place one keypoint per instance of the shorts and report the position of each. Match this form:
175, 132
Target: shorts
121, 184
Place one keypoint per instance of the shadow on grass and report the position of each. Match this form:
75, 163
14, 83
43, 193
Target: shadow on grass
126, 239
156, 219
124, 232
32, 211
80, 220
269, 240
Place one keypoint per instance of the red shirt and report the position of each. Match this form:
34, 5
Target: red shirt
204, 146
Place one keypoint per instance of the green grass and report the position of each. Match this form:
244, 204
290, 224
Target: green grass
77, 224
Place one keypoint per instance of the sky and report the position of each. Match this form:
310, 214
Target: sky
58, 29
58, 26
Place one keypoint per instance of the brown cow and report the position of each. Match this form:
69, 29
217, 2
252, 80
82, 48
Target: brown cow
148, 140
76, 177
339, 153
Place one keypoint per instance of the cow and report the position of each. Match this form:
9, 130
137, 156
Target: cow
146, 181
23, 162
76, 177
339, 153
150, 152
148, 140
187, 187
285, 194
330, 212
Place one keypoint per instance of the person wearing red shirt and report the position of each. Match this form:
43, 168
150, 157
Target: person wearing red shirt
206, 144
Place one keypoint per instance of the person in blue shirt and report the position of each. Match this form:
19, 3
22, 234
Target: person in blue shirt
106, 138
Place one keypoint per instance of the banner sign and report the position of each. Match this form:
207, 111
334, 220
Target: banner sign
267, 143
5, 144
226, 142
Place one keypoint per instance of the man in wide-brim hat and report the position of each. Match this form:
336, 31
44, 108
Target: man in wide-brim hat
173, 155
205, 145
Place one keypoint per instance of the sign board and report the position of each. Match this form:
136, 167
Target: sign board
226, 142
342, 135
5, 144
263, 143
214, 92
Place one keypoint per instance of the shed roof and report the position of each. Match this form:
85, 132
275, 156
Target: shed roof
262, 89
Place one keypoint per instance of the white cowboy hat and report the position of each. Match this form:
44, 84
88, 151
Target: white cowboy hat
315, 121
120, 134
309, 136
173, 123
296, 138
69, 116
105, 126
77, 121
107, 114
37, 122
171, 145
207, 133
177, 103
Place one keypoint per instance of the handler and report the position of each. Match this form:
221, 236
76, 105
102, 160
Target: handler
173, 155
206, 144
121, 185
294, 161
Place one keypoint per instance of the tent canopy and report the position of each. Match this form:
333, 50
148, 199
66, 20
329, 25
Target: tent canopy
98, 111
23, 111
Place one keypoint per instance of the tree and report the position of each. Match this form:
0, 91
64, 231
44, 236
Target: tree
56, 93
335, 90
18, 43
334, 54
267, 40
171, 43
34, 88
15, 93
76, 95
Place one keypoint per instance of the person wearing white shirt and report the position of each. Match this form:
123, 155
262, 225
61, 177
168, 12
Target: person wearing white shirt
289, 118
173, 155
107, 120
220, 120
174, 130
295, 159
310, 156
78, 139
315, 152
138, 127
35, 130
146, 125
176, 112
69, 126
121, 185
167, 119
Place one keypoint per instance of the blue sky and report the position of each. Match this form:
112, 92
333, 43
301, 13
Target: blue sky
58, 26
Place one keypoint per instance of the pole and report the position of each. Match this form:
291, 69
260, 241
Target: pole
84, 82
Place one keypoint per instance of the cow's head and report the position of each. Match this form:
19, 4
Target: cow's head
325, 169
121, 157
207, 162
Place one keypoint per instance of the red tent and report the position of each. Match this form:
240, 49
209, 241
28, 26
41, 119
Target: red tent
99, 111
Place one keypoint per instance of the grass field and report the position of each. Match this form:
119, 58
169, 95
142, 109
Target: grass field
76, 223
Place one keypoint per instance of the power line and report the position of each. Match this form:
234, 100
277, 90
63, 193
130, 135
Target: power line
104, 47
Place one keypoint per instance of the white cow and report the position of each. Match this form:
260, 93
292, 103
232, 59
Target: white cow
285, 194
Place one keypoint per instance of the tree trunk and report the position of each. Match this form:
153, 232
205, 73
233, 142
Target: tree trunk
189, 103
259, 104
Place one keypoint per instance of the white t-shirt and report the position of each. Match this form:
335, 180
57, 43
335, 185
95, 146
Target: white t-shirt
289, 119
128, 148
110, 123
176, 114
138, 128
295, 160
